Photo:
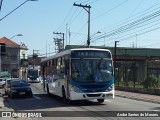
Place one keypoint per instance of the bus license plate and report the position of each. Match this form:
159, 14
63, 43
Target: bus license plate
22, 93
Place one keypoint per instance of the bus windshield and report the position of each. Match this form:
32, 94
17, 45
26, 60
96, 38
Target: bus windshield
33, 73
91, 70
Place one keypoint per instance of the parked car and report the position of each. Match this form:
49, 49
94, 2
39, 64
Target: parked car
7, 86
2, 82
19, 88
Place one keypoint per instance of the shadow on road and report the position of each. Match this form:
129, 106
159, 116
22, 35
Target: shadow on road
44, 101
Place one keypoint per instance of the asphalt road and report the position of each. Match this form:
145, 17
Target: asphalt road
42, 102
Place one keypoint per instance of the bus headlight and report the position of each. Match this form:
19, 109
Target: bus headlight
38, 79
110, 88
74, 88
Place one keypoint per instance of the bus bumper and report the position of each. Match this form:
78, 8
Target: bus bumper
90, 96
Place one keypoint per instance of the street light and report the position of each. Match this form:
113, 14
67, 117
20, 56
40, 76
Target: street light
98, 32
16, 9
16, 35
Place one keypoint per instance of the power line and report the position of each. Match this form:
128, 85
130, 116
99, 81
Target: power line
129, 26
65, 18
109, 10
129, 18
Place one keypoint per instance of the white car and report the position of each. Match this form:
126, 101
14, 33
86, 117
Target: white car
7, 87
2, 82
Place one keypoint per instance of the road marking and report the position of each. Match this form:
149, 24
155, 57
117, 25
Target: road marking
37, 97
156, 110
107, 101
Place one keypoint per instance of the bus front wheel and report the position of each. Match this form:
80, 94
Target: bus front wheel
100, 100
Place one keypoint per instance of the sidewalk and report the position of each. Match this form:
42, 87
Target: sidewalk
3, 103
138, 96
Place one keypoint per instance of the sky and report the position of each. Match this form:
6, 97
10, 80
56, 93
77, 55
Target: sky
134, 23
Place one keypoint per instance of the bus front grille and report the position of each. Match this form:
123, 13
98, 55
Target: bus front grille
93, 95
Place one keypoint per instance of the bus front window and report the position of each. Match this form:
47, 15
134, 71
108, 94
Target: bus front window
91, 70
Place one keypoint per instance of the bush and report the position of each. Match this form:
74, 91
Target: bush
151, 82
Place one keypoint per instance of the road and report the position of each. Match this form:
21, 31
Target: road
42, 102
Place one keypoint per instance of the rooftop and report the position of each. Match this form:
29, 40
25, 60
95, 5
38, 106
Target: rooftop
8, 42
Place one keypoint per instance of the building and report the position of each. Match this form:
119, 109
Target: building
11, 59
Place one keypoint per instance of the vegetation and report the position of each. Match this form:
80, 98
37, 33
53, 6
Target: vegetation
151, 82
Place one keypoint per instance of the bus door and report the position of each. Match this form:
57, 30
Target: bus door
67, 74
51, 85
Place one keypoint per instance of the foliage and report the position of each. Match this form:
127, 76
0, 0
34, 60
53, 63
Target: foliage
151, 82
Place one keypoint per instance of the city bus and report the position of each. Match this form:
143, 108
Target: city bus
33, 74
79, 74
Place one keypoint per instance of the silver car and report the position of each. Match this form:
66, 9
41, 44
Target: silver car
7, 84
2, 82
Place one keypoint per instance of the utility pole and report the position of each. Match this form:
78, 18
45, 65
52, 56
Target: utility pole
1, 5
115, 54
69, 36
35, 56
66, 32
86, 6
59, 42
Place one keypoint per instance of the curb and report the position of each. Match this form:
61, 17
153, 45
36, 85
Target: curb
4, 103
1, 101
140, 99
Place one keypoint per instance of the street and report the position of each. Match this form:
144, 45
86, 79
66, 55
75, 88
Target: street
42, 102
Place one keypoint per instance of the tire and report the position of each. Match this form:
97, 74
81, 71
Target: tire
65, 100
30, 95
100, 100
48, 91
11, 96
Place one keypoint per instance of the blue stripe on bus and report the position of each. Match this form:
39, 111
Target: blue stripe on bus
87, 87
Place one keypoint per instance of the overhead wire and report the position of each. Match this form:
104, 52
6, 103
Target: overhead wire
128, 19
97, 17
65, 18
124, 28
131, 25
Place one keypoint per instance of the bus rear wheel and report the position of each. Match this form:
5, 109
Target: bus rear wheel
48, 90
100, 100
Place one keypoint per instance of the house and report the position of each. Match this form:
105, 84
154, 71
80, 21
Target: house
10, 60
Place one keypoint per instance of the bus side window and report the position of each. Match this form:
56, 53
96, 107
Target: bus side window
66, 66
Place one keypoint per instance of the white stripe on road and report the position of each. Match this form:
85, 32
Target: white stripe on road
156, 110
37, 97
107, 101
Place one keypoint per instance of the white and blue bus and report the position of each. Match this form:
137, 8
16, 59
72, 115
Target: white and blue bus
79, 74
33, 75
